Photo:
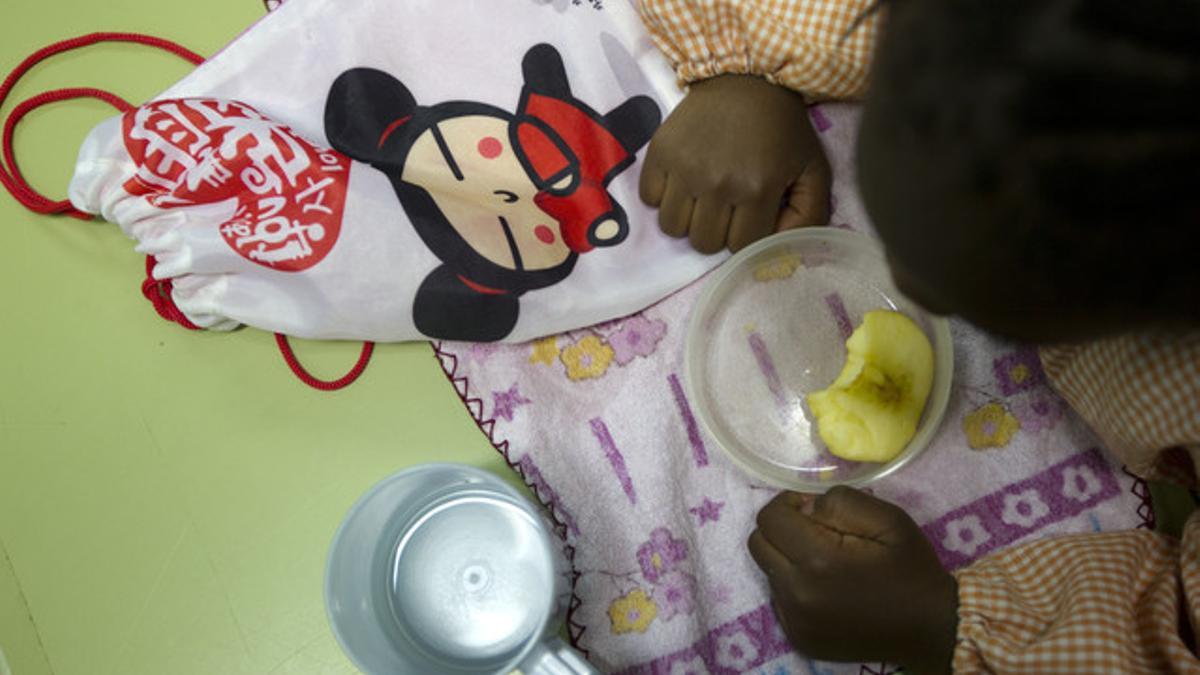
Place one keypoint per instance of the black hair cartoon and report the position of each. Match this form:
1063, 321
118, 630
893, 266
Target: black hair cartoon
506, 201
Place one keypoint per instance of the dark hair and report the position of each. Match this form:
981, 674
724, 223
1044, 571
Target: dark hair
1078, 120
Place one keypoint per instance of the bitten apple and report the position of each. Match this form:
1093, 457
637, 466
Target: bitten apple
871, 411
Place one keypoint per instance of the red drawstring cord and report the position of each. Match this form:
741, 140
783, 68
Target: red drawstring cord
10, 173
15, 182
157, 291
364, 358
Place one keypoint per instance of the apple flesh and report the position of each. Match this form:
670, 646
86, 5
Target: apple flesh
871, 411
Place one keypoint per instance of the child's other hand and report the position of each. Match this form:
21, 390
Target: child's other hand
854, 579
736, 161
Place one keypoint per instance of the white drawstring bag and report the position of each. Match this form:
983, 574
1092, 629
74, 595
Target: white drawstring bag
393, 171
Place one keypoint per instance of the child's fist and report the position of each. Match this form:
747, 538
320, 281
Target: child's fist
736, 161
854, 579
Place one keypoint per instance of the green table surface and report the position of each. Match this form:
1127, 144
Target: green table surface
167, 497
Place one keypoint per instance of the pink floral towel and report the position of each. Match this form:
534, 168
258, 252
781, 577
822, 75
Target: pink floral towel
597, 423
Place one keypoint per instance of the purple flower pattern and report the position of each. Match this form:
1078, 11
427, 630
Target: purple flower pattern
675, 594
1038, 412
965, 534
1080, 483
1024, 509
637, 336
660, 554
1019, 371
736, 651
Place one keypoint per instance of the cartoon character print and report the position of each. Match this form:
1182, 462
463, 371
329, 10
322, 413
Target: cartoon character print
506, 201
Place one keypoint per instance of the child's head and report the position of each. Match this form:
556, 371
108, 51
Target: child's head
1034, 166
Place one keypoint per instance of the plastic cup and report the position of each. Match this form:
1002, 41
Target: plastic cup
444, 568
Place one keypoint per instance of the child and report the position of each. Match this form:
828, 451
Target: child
1032, 167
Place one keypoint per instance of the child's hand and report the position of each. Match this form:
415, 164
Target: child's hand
736, 161
854, 579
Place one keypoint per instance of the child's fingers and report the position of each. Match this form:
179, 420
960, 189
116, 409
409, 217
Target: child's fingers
709, 227
798, 537
768, 558
751, 221
652, 184
808, 199
675, 213
797, 501
857, 513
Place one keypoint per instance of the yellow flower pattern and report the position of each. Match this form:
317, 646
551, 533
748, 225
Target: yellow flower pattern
990, 426
778, 269
545, 350
632, 613
587, 359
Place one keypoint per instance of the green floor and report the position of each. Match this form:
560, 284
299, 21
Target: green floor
167, 497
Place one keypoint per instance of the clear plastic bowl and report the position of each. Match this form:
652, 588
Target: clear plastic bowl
770, 327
